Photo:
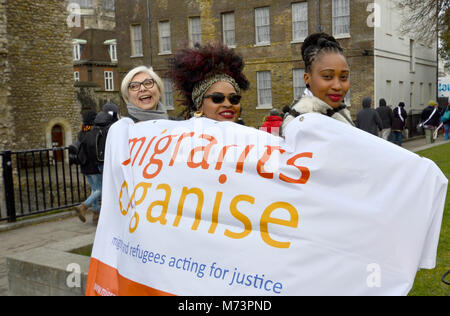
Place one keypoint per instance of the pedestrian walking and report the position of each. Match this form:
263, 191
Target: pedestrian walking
445, 119
399, 123
386, 116
368, 119
430, 120
89, 167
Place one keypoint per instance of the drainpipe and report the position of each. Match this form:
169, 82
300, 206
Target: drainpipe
149, 29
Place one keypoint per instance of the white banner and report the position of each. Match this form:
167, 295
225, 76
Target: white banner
200, 207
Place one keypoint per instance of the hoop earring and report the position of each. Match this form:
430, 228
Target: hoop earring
198, 114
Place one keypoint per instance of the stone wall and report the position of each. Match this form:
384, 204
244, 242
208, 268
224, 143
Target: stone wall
41, 72
6, 122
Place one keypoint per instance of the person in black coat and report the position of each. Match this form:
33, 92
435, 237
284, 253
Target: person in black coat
368, 119
386, 116
399, 123
89, 167
430, 119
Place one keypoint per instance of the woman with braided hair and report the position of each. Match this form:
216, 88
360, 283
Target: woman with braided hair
211, 80
327, 80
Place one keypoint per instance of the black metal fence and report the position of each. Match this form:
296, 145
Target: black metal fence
39, 181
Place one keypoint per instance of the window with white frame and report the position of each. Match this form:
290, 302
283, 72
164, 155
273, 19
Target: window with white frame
299, 21
430, 91
422, 94
112, 48
76, 51
264, 86
164, 37
136, 41
228, 26
262, 26
341, 18
195, 31
412, 55
109, 81
299, 83
108, 5
347, 99
389, 92
84, 4
76, 76
168, 94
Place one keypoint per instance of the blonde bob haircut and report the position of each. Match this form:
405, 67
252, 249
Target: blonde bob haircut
130, 75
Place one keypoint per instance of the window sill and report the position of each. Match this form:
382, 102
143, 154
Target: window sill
261, 45
342, 36
136, 56
164, 53
264, 107
299, 41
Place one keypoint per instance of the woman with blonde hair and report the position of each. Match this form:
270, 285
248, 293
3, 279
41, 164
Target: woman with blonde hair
142, 89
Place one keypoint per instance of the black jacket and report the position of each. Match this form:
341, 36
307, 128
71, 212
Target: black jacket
434, 120
368, 119
90, 165
397, 123
386, 116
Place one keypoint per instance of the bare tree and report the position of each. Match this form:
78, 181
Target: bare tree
423, 19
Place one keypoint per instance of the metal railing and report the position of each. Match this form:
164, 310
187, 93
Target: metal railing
39, 181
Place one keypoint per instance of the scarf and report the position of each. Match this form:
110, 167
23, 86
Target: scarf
139, 115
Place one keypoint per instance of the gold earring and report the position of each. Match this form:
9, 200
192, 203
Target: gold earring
198, 114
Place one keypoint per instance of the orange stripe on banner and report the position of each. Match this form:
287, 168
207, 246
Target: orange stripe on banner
104, 280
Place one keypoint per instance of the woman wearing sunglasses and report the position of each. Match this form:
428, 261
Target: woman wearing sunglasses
141, 90
211, 80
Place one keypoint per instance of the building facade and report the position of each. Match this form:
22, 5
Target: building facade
269, 35
405, 66
36, 75
94, 52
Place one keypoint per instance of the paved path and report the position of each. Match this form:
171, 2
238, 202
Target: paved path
43, 231
54, 229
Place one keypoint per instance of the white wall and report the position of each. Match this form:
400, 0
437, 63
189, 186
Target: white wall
392, 53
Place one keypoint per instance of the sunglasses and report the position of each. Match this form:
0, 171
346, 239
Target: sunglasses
219, 98
136, 85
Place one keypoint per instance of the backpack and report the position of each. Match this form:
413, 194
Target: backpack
77, 154
100, 143
96, 139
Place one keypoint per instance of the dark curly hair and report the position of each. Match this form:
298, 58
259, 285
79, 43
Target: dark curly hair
189, 66
316, 44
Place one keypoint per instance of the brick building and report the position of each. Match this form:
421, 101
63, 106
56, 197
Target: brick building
267, 33
36, 75
94, 51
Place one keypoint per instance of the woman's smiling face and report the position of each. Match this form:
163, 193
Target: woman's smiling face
224, 111
144, 98
329, 78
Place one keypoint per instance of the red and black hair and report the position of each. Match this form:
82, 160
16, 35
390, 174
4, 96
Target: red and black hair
192, 65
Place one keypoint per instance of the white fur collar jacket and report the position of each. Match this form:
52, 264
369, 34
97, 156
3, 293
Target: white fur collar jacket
312, 104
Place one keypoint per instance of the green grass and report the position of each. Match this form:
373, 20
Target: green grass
428, 282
